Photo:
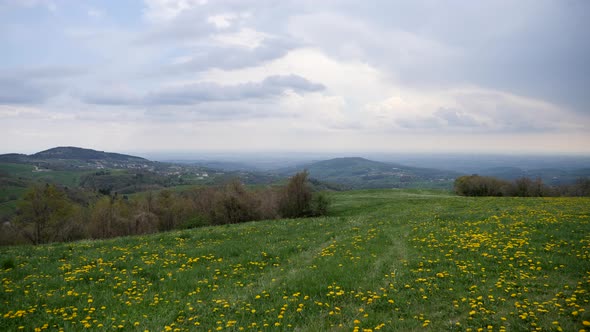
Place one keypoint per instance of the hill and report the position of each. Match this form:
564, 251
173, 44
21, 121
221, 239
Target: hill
361, 173
69, 152
105, 172
389, 260
74, 158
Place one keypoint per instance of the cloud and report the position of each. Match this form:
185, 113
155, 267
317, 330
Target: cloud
360, 75
202, 92
229, 57
209, 35
272, 86
183, 32
18, 91
474, 110
455, 118
162, 10
35, 84
441, 119
110, 95
530, 48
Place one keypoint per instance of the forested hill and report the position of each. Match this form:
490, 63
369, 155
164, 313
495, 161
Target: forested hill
68, 158
359, 173
74, 153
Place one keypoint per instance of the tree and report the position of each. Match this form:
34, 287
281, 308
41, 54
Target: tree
525, 187
581, 187
166, 211
42, 212
111, 216
476, 185
295, 202
234, 204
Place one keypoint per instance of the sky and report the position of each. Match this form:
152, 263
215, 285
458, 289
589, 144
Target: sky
296, 75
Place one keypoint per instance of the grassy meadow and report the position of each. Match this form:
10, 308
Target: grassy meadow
406, 260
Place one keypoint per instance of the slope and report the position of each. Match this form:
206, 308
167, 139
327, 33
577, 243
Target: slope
386, 260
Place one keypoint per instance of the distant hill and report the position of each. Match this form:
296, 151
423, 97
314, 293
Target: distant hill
69, 152
361, 173
12, 157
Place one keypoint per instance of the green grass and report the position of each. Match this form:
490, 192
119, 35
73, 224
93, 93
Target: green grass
8, 208
67, 178
16, 169
391, 260
10, 193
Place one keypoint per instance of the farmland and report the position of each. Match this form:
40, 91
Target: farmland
409, 260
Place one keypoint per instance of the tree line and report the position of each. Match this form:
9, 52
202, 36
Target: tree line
476, 185
48, 213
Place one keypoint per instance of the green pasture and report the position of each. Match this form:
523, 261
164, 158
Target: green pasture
391, 260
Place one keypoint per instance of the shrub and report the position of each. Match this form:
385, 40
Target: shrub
320, 204
475, 185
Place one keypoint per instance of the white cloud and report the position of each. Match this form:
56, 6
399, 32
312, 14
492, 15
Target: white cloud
246, 37
162, 10
374, 102
221, 21
471, 110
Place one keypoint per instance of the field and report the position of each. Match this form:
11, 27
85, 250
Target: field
406, 260
67, 178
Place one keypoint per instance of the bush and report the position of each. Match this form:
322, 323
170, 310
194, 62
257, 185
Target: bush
475, 185
320, 204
